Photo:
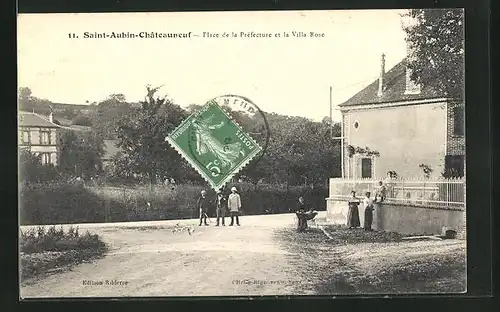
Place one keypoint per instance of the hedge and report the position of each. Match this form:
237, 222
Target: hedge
60, 203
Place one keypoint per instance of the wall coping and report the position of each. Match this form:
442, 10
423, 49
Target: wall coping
403, 204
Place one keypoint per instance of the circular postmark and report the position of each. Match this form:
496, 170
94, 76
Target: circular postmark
251, 131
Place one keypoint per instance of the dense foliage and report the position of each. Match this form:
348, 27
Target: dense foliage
437, 41
63, 202
32, 170
82, 120
299, 151
80, 153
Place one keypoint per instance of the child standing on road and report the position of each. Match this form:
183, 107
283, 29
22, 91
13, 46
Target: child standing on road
381, 192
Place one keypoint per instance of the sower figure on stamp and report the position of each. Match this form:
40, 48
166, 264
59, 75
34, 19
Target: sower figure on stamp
234, 205
203, 205
221, 207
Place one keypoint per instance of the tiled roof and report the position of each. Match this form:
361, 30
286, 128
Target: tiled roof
34, 120
394, 88
110, 149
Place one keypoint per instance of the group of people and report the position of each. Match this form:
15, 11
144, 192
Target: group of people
223, 206
369, 204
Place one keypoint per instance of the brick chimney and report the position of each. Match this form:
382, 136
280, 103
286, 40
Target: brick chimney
411, 86
51, 117
381, 77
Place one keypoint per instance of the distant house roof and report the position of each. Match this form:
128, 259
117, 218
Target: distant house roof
26, 119
394, 86
110, 149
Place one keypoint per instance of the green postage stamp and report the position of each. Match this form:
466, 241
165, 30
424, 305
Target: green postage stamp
214, 144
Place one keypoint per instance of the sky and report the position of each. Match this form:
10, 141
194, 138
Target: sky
286, 75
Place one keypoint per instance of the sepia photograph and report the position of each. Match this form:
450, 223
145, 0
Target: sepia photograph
237, 154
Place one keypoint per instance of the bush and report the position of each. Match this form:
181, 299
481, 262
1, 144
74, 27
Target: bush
59, 202
39, 240
55, 203
43, 250
276, 198
82, 120
32, 170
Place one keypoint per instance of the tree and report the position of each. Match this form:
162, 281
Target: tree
107, 114
24, 93
299, 150
191, 108
32, 170
118, 97
326, 120
28, 102
80, 153
141, 136
82, 120
436, 38
69, 113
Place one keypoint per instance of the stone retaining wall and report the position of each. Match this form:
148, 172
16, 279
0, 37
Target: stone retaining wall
402, 218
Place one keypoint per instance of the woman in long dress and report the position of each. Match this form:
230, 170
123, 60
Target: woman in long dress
368, 203
353, 213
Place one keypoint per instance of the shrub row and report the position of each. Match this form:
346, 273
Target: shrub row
56, 203
41, 250
39, 240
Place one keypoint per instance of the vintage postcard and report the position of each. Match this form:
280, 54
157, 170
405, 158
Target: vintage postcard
264, 153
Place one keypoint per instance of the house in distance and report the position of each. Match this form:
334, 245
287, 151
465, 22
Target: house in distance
406, 124
39, 136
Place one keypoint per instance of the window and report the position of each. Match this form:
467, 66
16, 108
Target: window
366, 167
458, 121
45, 137
25, 136
454, 166
356, 125
45, 158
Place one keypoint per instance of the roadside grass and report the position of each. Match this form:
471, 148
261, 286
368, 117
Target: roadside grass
353, 263
62, 202
45, 251
343, 235
445, 273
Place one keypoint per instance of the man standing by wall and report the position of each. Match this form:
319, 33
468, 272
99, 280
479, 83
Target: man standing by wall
234, 205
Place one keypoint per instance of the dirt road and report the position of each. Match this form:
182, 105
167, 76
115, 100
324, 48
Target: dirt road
150, 260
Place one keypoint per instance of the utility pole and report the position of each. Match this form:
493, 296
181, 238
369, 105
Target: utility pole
331, 114
341, 138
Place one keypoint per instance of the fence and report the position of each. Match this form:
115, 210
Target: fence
438, 193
